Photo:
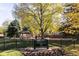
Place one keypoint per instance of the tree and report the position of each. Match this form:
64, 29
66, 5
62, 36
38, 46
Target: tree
13, 29
5, 25
71, 26
1, 29
38, 17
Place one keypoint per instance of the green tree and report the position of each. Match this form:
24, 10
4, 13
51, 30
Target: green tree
1, 29
13, 29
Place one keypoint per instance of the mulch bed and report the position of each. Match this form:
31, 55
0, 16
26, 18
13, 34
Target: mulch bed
43, 52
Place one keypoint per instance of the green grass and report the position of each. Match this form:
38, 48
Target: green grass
11, 53
72, 50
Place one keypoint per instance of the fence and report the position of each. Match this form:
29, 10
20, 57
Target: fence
6, 43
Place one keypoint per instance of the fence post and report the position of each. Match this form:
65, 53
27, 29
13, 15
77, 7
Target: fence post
4, 43
61, 43
74, 42
16, 43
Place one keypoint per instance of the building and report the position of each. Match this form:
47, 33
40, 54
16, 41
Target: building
1, 35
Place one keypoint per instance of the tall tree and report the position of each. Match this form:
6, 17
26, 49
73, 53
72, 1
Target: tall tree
38, 17
13, 29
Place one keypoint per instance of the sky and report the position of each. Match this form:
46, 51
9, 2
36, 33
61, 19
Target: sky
6, 12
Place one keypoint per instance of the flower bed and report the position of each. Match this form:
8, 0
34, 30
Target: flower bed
43, 52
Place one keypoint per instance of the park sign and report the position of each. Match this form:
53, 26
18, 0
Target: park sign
40, 43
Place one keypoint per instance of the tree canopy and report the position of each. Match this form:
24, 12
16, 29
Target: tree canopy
73, 19
39, 17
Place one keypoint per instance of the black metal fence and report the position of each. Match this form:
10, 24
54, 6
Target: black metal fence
6, 43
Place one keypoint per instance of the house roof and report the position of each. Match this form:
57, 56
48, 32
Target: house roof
25, 32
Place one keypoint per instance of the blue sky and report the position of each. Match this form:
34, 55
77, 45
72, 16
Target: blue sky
6, 12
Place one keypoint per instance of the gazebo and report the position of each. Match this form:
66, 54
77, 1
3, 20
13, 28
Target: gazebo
25, 34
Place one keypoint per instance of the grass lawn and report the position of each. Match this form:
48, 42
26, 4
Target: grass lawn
11, 53
72, 50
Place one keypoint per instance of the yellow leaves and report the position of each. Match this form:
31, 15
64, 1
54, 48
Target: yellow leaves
73, 16
1, 29
73, 19
58, 7
32, 17
68, 30
55, 28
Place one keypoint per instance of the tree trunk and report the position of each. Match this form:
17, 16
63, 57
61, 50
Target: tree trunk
41, 22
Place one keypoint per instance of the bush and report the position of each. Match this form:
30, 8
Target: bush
11, 53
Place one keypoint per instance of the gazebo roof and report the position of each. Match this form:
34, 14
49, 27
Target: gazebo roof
25, 32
